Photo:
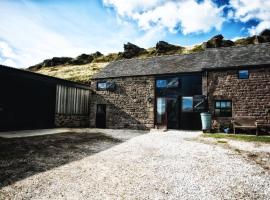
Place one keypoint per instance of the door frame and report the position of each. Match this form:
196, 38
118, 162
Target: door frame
105, 115
165, 124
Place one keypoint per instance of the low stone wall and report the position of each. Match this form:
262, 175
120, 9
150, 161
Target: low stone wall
62, 120
130, 105
250, 97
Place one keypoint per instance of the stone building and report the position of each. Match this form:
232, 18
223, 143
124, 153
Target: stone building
172, 91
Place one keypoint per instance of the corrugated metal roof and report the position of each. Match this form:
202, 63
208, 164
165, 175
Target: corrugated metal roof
257, 54
40, 77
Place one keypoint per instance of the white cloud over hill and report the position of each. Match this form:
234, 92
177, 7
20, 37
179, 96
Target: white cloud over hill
186, 15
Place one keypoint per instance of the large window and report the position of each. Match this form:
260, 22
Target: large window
187, 104
70, 100
223, 108
243, 74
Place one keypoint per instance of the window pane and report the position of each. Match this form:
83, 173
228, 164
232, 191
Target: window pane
223, 108
161, 83
223, 104
173, 83
243, 74
161, 109
102, 85
187, 104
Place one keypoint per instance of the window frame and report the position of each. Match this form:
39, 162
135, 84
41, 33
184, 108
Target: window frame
101, 89
242, 77
167, 81
222, 110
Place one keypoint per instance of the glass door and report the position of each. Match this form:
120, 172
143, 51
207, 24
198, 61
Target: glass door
167, 113
172, 113
161, 112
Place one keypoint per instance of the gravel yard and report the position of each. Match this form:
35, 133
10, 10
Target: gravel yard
157, 165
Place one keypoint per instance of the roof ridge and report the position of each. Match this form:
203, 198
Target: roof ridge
192, 53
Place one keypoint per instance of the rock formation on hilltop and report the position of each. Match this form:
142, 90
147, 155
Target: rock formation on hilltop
56, 61
132, 50
164, 47
217, 41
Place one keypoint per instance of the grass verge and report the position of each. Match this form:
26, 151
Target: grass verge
246, 138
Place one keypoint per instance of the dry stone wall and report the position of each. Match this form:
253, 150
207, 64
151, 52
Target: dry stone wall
62, 120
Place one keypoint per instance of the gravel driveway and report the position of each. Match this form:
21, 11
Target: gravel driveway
158, 165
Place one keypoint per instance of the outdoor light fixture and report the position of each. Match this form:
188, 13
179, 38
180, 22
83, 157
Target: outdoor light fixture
149, 99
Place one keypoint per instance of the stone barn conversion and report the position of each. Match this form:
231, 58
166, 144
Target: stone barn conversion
34, 101
160, 92
172, 91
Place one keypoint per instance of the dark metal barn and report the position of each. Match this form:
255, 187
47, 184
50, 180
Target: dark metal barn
28, 100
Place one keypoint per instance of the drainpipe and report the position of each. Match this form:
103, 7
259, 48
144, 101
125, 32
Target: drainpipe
207, 93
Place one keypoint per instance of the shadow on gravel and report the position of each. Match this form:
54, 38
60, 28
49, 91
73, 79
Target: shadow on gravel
24, 157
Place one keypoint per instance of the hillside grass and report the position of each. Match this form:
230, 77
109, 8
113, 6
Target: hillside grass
241, 137
77, 73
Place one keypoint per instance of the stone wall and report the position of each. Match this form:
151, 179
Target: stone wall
131, 105
62, 120
250, 97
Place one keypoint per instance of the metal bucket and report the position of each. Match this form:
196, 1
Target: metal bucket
206, 119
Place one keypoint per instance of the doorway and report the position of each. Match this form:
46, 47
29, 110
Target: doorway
172, 113
101, 116
167, 113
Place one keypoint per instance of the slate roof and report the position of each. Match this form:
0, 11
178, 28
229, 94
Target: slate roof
215, 58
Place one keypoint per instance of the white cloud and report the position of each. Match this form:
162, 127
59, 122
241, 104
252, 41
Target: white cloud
36, 32
246, 10
7, 55
128, 8
188, 15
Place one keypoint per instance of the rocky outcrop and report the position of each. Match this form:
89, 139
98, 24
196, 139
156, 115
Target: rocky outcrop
132, 50
265, 35
249, 40
164, 47
217, 41
161, 48
56, 61
85, 58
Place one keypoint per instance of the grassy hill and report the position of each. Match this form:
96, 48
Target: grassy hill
78, 73
81, 68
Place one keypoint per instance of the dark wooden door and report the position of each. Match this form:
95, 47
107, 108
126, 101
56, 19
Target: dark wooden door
172, 113
101, 116
189, 118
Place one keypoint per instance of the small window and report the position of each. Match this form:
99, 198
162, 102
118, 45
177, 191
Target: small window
187, 104
223, 108
243, 74
101, 85
167, 83
161, 83
173, 83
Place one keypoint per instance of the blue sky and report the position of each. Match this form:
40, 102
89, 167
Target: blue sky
34, 30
